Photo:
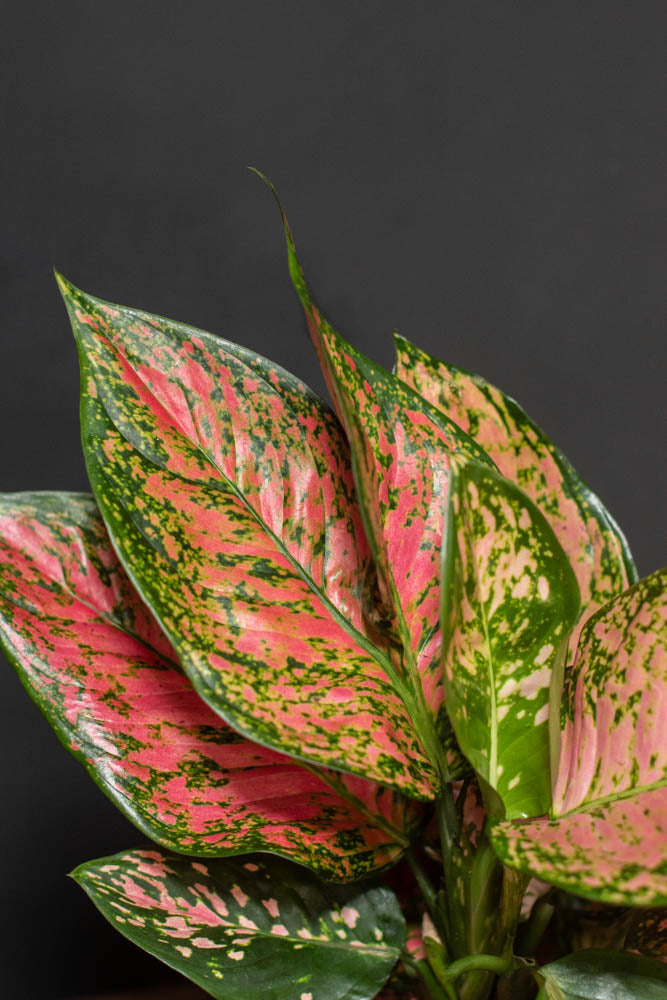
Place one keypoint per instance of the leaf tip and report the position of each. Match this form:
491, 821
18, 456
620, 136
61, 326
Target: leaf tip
66, 287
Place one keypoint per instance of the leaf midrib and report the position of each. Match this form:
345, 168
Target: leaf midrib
322, 596
629, 793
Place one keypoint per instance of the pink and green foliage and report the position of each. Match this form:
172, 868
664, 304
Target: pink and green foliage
106, 678
511, 601
226, 489
275, 629
227, 923
593, 542
607, 837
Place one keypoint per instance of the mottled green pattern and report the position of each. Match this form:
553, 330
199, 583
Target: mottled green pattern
226, 489
401, 448
614, 853
594, 974
592, 540
252, 927
608, 837
613, 716
509, 598
96, 663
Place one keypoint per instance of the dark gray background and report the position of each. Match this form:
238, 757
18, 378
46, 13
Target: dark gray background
486, 176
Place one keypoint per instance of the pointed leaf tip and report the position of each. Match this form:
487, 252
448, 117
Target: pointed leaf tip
65, 287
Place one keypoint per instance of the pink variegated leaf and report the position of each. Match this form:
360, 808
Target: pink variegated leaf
590, 537
401, 448
97, 665
613, 711
509, 598
614, 852
608, 835
225, 486
253, 927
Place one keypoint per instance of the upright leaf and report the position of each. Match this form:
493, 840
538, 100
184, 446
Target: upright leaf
603, 975
509, 598
607, 838
401, 448
94, 660
225, 487
590, 537
252, 927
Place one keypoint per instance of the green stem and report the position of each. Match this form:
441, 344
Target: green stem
478, 963
436, 990
533, 931
449, 830
427, 891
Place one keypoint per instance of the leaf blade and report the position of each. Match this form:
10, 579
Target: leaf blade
613, 853
400, 448
211, 514
596, 974
594, 543
509, 598
106, 679
606, 838
614, 705
251, 927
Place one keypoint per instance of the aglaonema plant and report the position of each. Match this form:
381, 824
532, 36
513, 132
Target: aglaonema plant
381, 684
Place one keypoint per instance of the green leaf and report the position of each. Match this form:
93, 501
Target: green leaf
95, 662
509, 597
225, 486
401, 448
251, 927
593, 542
607, 838
603, 975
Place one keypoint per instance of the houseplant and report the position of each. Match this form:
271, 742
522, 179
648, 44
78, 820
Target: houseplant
382, 687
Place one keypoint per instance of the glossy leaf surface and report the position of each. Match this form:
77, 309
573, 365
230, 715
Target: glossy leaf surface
225, 486
251, 927
591, 539
97, 665
401, 449
509, 598
607, 838
603, 975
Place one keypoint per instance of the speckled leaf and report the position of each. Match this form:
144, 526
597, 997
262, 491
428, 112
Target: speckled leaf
401, 449
99, 668
509, 597
613, 716
592, 540
603, 975
225, 486
614, 852
608, 835
251, 927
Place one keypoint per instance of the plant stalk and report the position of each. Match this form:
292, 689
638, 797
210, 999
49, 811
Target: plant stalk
437, 991
428, 892
449, 829
533, 931
478, 963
